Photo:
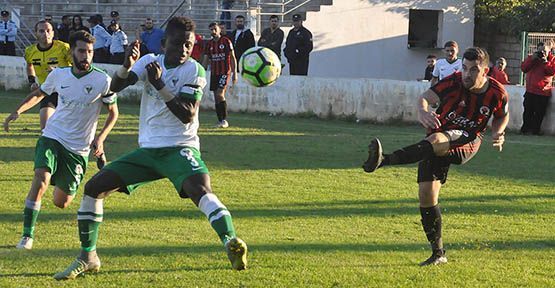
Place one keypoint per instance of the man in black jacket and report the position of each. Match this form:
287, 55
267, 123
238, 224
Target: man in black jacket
242, 38
272, 37
297, 47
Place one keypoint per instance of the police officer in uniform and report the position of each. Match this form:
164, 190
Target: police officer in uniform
8, 30
297, 47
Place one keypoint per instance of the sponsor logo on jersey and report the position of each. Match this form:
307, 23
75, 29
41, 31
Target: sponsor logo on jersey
484, 110
88, 88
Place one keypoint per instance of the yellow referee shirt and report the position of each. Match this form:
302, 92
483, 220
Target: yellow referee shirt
44, 61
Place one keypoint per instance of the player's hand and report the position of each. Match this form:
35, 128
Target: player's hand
34, 86
154, 72
10, 118
98, 147
429, 119
498, 140
132, 54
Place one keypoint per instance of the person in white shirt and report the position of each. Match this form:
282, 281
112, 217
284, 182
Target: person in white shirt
168, 141
448, 65
103, 39
61, 153
118, 44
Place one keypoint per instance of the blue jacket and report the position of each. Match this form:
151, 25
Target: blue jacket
8, 30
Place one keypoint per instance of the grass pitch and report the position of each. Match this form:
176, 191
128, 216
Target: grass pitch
310, 215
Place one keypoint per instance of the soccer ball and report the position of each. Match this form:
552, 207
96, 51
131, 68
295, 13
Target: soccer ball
260, 66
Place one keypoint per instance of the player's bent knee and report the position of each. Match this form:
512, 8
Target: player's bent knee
102, 183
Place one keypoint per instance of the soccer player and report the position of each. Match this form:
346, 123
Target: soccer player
219, 51
41, 59
466, 101
61, 152
448, 65
169, 145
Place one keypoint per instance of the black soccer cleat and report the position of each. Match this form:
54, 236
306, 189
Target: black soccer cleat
101, 161
375, 156
437, 258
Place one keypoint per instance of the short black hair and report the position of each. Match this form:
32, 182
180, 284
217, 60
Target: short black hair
239, 17
431, 56
212, 24
80, 36
477, 54
180, 23
274, 17
65, 17
43, 22
451, 43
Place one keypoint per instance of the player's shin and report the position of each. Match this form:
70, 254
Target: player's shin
89, 218
409, 154
30, 215
431, 222
218, 215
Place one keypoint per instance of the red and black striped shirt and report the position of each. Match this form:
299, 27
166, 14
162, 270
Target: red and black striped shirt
219, 53
460, 109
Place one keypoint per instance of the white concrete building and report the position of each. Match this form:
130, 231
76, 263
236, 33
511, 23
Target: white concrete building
370, 38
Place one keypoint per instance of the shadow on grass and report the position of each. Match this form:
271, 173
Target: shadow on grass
476, 205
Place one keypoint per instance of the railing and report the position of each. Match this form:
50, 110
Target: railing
22, 40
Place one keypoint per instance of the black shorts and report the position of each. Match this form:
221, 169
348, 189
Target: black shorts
462, 148
218, 82
49, 101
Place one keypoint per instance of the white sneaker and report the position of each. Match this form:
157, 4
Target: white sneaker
25, 243
222, 124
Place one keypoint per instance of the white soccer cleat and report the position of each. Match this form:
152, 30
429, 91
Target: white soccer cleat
76, 268
25, 243
222, 124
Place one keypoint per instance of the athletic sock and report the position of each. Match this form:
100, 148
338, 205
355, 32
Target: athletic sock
89, 217
409, 154
431, 222
30, 215
218, 112
221, 110
218, 215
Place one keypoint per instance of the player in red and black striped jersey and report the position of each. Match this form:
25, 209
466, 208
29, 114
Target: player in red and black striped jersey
466, 101
219, 51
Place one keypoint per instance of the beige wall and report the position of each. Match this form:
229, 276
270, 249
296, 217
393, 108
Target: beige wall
365, 99
368, 38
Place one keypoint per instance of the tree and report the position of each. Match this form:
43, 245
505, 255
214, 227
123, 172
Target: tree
515, 16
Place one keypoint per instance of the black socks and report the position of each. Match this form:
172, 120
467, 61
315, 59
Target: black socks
409, 154
431, 222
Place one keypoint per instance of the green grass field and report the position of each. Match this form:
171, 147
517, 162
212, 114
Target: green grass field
310, 215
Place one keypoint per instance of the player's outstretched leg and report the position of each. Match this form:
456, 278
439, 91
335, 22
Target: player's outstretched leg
89, 218
406, 155
197, 187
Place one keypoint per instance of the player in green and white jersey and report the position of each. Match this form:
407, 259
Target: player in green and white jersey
61, 153
169, 145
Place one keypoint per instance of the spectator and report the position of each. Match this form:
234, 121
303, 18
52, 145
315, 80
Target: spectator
118, 44
198, 49
8, 31
242, 38
539, 68
430, 65
497, 72
272, 37
115, 18
77, 25
298, 47
103, 38
64, 29
225, 18
152, 37
449, 65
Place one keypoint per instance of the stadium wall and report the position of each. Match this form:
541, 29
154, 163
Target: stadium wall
376, 100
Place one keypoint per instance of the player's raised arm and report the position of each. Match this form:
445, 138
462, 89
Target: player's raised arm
123, 76
183, 108
29, 102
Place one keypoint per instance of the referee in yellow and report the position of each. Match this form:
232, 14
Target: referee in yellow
42, 58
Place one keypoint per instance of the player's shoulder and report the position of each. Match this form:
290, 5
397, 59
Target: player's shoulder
100, 73
61, 45
497, 88
31, 49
